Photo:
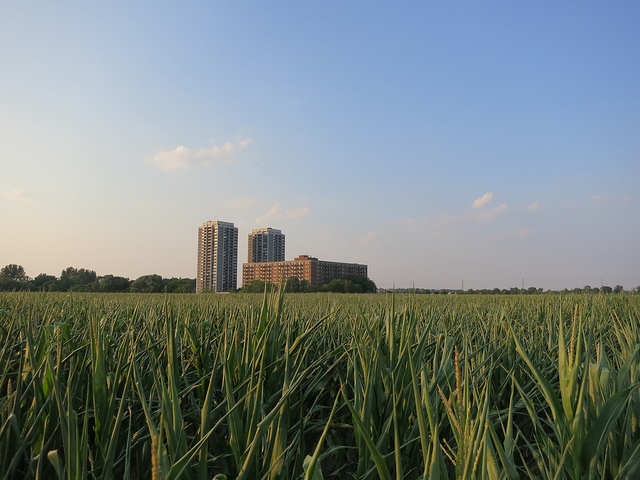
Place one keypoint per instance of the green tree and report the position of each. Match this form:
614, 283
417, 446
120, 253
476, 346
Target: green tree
618, 289
336, 285
257, 286
147, 284
8, 285
179, 285
352, 287
44, 282
359, 284
292, 285
77, 279
112, 283
305, 286
342, 285
13, 277
13, 272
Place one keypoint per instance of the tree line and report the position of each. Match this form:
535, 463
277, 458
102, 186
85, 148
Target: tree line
13, 278
514, 290
346, 284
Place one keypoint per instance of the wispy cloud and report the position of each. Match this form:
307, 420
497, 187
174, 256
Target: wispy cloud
17, 194
185, 158
599, 198
297, 213
603, 201
488, 214
368, 238
444, 219
276, 212
533, 206
483, 200
610, 200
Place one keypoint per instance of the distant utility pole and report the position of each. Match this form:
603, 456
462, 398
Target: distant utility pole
463, 285
523, 283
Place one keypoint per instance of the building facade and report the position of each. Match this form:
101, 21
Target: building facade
266, 245
217, 257
314, 271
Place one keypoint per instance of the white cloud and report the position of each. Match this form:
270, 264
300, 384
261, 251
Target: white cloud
491, 213
18, 194
368, 238
276, 212
483, 200
613, 198
178, 158
297, 213
533, 206
599, 198
444, 219
244, 143
184, 157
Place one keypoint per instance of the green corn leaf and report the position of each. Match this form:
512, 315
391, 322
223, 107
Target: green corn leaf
549, 393
597, 436
56, 461
630, 465
311, 462
378, 459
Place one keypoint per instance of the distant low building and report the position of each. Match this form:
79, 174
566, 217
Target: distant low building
314, 271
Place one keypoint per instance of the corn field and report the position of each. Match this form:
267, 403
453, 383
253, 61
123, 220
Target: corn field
313, 386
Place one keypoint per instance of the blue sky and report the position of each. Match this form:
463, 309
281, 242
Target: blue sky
436, 142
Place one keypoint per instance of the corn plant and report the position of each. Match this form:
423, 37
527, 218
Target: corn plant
319, 386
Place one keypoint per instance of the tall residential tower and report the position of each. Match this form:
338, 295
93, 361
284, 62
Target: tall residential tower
266, 245
217, 257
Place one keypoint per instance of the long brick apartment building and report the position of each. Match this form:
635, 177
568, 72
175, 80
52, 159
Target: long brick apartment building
314, 271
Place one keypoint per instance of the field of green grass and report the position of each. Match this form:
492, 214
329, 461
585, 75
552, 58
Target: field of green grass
126, 386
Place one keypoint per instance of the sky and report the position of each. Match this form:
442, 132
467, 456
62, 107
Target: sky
485, 144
